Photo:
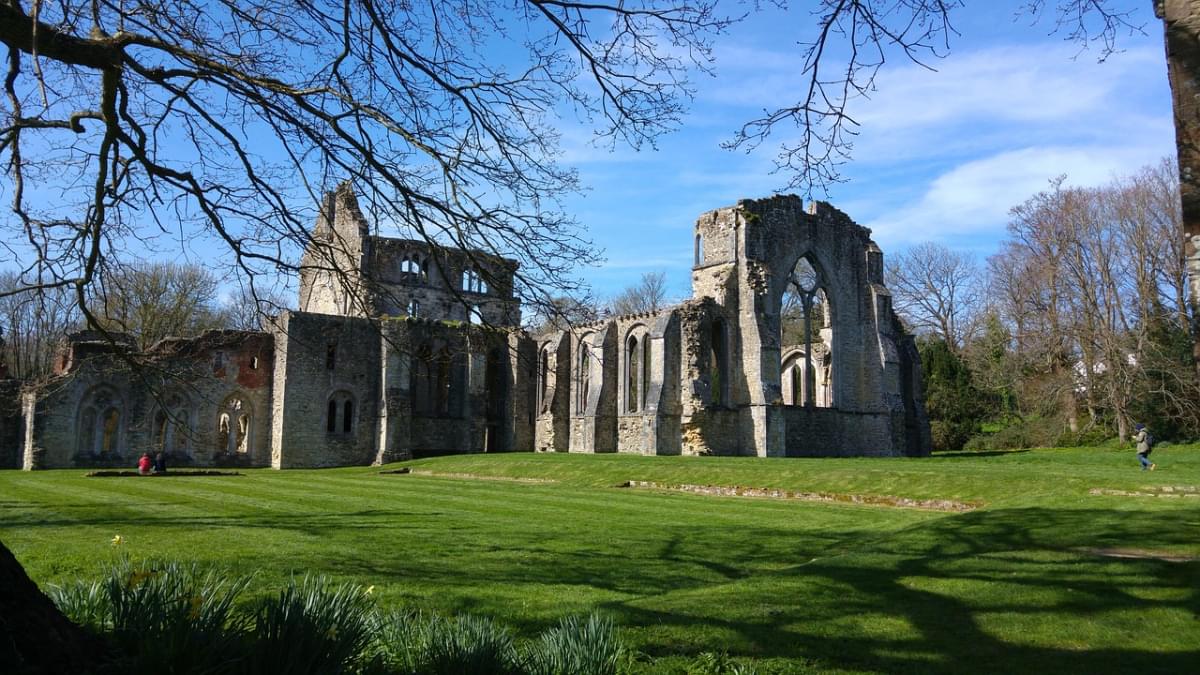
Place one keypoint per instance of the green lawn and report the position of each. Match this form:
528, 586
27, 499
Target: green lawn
1043, 577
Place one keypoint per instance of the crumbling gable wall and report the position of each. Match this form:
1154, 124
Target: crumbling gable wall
747, 254
331, 269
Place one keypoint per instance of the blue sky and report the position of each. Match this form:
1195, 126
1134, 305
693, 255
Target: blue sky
942, 156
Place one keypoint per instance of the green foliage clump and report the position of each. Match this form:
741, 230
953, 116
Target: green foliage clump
718, 663
172, 618
955, 407
429, 644
311, 627
161, 617
577, 646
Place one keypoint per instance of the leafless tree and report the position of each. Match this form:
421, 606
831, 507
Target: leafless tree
33, 325
937, 290
151, 301
648, 295
1090, 279
135, 126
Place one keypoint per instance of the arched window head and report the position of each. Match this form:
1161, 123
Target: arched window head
339, 413
235, 426
100, 423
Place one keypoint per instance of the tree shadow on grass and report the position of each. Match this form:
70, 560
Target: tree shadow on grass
990, 591
1000, 591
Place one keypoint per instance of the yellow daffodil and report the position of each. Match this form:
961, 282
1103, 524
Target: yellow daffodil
117, 540
196, 602
370, 590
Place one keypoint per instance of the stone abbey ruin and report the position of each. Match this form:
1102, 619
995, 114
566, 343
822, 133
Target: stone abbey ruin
400, 349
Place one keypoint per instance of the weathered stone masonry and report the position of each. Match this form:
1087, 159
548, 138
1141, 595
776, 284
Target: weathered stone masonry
403, 349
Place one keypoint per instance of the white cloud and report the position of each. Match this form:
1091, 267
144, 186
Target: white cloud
974, 198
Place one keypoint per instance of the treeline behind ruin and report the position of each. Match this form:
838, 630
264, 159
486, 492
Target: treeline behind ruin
1073, 332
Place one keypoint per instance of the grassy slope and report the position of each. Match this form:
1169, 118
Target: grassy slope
1004, 588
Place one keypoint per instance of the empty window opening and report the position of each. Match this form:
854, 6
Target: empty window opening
330, 356
543, 402
472, 281
806, 323
645, 370
718, 365
699, 249
234, 426
340, 403
583, 376
632, 375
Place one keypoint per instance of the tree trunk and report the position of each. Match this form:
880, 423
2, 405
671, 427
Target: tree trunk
35, 637
1181, 27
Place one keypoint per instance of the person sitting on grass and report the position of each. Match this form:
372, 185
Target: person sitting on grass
145, 464
1145, 443
160, 462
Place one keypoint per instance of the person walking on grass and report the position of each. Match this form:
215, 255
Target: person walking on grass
1145, 443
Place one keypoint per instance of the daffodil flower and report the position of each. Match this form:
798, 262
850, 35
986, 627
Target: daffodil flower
117, 540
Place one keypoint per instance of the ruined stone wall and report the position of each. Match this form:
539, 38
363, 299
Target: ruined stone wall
552, 392
748, 253
828, 432
648, 422
320, 359
175, 397
522, 351
403, 271
488, 398
594, 415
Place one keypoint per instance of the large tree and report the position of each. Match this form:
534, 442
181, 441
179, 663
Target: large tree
151, 301
937, 291
134, 126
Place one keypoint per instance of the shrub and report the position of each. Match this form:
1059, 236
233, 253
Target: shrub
576, 646
428, 644
311, 627
161, 617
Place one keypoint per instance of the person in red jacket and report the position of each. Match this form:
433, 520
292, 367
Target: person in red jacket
145, 464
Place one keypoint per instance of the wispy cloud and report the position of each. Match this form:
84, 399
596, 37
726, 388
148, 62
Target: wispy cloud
975, 197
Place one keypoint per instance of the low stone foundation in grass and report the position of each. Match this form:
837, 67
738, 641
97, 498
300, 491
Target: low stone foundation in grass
165, 474
466, 476
775, 493
1168, 491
